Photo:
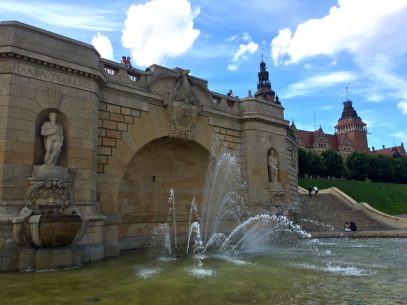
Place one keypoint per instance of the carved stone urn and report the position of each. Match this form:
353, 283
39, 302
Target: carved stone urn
49, 219
49, 231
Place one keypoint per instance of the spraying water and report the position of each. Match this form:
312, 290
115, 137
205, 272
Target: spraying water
226, 225
171, 212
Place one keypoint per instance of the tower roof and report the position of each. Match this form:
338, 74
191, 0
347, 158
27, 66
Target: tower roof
263, 85
349, 115
348, 110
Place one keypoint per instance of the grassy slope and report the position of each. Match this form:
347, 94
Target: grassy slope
389, 198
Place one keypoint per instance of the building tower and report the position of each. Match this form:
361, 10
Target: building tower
351, 128
264, 86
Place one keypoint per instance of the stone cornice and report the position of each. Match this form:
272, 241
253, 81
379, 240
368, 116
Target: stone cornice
263, 119
65, 68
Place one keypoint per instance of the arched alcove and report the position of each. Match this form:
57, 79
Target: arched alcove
157, 167
39, 148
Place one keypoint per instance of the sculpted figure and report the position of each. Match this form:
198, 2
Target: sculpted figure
53, 139
272, 162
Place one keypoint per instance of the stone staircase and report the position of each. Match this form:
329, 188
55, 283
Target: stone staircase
330, 209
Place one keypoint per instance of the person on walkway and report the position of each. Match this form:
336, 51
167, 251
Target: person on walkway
129, 63
310, 191
353, 226
230, 93
346, 227
124, 60
315, 189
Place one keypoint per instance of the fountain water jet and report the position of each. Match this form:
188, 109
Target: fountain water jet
226, 224
171, 212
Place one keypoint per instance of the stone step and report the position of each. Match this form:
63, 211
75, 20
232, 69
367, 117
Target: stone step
330, 213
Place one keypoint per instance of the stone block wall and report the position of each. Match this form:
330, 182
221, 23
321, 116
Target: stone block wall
113, 121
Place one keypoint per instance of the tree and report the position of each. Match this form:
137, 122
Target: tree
400, 169
333, 163
385, 168
310, 163
317, 165
304, 163
358, 165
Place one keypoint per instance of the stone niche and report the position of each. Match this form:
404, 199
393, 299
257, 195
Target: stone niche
49, 222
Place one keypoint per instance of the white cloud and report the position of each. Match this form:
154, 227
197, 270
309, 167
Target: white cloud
403, 106
314, 83
73, 16
159, 29
233, 67
362, 27
371, 31
245, 49
374, 97
375, 119
401, 135
326, 107
103, 45
232, 38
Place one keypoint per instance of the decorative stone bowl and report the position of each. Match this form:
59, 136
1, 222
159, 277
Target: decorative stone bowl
50, 231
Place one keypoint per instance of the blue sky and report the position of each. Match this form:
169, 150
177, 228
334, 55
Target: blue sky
313, 49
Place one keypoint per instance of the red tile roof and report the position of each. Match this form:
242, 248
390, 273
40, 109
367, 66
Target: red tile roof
308, 138
389, 151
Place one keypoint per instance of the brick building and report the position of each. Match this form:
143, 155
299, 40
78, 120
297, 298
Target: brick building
350, 135
395, 151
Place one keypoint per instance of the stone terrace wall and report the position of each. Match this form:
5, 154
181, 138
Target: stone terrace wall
109, 114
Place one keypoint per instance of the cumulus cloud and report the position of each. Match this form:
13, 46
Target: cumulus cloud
363, 27
371, 31
103, 45
159, 29
314, 83
403, 106
73, 16
245, 49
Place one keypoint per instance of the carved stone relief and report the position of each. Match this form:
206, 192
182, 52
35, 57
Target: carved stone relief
183, 96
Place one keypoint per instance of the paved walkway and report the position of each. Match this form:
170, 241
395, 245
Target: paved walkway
362, 234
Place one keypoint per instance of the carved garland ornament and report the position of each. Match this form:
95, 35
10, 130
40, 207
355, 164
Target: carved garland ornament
48, 197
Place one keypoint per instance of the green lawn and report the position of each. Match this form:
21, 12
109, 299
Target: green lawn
389, 198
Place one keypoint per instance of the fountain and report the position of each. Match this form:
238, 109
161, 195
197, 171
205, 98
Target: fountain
226, 225
234, 258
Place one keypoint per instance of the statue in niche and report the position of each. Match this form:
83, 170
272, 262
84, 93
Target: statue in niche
272, 162
53, 139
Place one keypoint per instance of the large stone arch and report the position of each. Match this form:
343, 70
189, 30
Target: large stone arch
150, 126
157, 167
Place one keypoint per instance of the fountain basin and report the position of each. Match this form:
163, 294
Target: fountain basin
50, 231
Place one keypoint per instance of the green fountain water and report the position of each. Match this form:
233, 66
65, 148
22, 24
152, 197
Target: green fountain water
337, 271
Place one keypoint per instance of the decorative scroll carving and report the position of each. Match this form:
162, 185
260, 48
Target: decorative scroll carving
48, 197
